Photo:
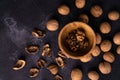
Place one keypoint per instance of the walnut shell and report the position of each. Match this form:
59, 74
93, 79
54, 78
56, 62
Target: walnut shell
58, 77
113, 15
80, 3
109, 57
41, 63
60, 62
106, 45
46, 51
38, 33
32, 49
63, 10
98, 38
93, 75
96, 11
86, 58
118, 50
61, 54
34, 72
53, 69
76, 74
96, 51
52, 25
105, 67
116, 38
105, 28
19, 65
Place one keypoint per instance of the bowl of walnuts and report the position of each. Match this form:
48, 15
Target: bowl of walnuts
76, 39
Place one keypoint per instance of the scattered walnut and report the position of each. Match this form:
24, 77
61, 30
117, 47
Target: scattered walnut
38, 33
63, 10
96, 51
61, 54
86, 58
113, 15
53, 69
109, 57
80, 3
105, 67
46, 51
41, 63
118, 50
19, 65
116, 38
98, 38
33, 49
105, 28
60, 62
58, 77
96, 11
93, 75
52, 25
34, 72
84, 18
106, 45
76, 74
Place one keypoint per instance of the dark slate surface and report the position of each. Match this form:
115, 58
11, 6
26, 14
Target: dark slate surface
19, 17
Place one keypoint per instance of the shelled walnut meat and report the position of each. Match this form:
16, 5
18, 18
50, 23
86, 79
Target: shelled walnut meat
32, 49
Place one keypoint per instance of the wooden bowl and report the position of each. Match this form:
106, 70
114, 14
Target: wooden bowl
90, 35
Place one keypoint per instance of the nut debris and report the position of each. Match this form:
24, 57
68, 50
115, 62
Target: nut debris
41, 63
60, 62
34, 72
58, 77
33, 49
38, 33
46, 51
61, 54
53, 69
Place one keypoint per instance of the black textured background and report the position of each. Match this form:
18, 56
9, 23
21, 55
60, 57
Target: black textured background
19, 17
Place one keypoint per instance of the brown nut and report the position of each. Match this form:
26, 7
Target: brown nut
63, 10
116, 38
118, 50
46, 51
86, 58
84, 18
96, 11
53, 69
80, 3
38, 33
60, 53
58, 77
96, 51
34, 72
19, 65
60, 62
93, 75
109, 57
98, 38
52, 25
106, 45
105, 67
41, 63
33, 49
113, 15
105, 28
76, 74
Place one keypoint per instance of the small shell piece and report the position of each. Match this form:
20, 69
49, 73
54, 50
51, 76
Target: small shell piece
53, 69
98, 38
58, 77
52, 25
106, 45
96, 51
38, 33
60, 62
34, 72
84, 18
63, 10
118, 50
105, 28
109, 57
33, 49
96, 11
116, 38
41, 63
93, 75
86, 58
46, 51
19, 65
105, 67
113, 15
61, 54
76, 74
80, 3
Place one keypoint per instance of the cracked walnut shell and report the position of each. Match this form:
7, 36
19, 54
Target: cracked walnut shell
53, 69
34, 72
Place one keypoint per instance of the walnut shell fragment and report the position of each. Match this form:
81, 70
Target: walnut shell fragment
58, 77
60, 62
41, 63
46, 51
33, 49
34, 72
61, 54
19, 65
38, 33
53, 69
